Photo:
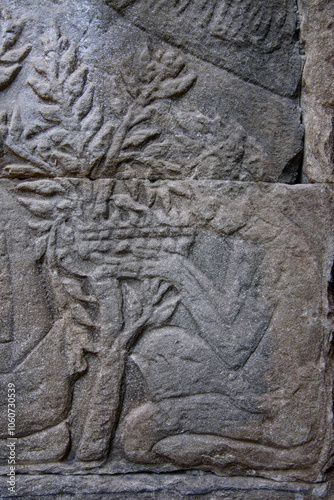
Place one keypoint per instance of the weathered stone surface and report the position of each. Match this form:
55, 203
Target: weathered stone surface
166, 297
175, 325
163, 487
99, 97
228, 34
317, 31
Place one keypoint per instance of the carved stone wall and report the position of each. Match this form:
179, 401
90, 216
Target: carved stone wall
166, 249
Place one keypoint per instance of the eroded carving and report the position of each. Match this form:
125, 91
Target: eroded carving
69, 134
157, 354
10, 57
147, 137
117, 264
173, 324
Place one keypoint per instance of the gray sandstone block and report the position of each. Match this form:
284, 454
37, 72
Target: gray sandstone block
168, 326
318, 89
166, 285
94, 95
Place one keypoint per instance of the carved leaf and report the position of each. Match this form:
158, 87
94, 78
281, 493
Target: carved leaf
51, 113
10, 34
68, 163
139, 137
102, 138
84, 104
146, 114
93, 122
15, 55
40, 208
68, 62
7, 75
175, 88
40, 66
75, 84
23, 171
40, 227
9, 57
35, 127
42, 89
42, 187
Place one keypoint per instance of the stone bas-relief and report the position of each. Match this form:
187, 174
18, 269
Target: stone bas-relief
12, 54
100, 97
166, 297
161, 332
227, 34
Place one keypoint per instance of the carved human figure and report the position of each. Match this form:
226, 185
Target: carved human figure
117, 268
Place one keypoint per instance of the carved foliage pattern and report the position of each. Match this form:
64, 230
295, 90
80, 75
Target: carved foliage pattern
84, 234
68, 134
91, 243
244, 22
117, 264
11, 57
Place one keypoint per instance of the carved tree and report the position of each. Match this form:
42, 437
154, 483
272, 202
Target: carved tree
158, 76
85, 242
69, 135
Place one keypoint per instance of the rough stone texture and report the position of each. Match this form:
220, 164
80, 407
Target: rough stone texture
166, 288
164, 487
227, 34
190, 315
318, 88
99, 97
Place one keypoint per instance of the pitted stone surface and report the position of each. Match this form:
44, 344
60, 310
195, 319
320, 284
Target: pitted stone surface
98, 96
161, 327
164, 487
166, 285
